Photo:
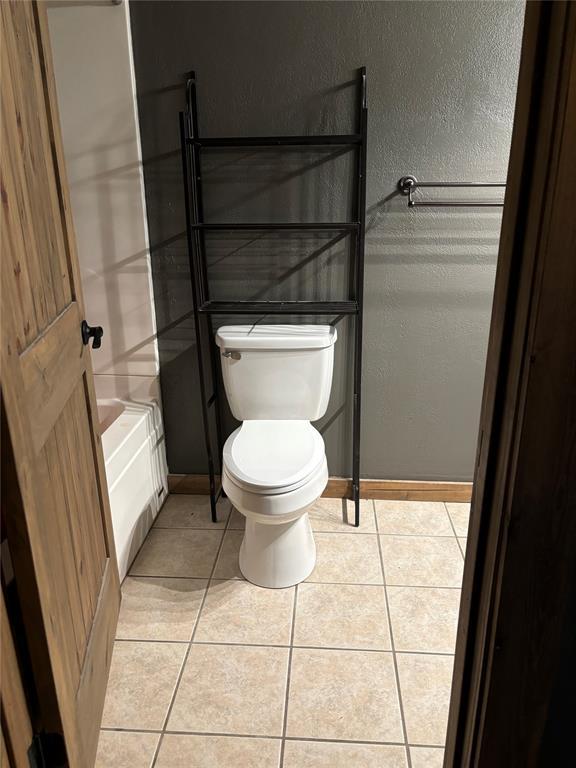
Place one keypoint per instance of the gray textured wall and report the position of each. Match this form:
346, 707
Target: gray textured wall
441, 89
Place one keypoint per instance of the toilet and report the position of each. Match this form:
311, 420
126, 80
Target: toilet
277, 380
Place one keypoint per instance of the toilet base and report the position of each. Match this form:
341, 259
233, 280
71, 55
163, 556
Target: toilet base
278, 555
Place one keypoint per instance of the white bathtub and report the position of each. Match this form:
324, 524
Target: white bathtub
133, 444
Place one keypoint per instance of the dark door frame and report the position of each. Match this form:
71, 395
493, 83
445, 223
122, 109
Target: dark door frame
516, 633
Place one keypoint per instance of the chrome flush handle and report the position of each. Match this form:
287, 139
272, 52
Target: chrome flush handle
233, 355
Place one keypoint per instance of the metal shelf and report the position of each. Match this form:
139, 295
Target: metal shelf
204, 307
351, 139
327, 226
279, 307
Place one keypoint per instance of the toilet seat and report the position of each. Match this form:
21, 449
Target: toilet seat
275, 508
273, 457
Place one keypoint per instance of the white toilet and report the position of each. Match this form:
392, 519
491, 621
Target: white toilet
277, 379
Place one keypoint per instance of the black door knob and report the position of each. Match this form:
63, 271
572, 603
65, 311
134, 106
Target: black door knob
94, 332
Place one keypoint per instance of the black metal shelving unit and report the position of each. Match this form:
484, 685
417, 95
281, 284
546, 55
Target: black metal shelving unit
205, 307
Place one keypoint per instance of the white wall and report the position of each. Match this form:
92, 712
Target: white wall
92, 52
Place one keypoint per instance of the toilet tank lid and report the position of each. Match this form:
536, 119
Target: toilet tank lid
275, 336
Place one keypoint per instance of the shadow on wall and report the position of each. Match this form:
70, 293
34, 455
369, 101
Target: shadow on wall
442, 112
263, 185
457, 249
108, 219
268, 185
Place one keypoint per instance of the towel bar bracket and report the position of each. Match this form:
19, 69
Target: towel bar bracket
407, 185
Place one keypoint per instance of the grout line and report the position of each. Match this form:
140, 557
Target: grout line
346, 741
149, 640
363, 584
273, 738
389, 533
232, 644
352, 532
242, 645
419, 535
157, 576
308, 581
226, 734
394, 660
270, 738
429, 746
161, 576
455, 534
157, 750
177, 578
187, 528
187, 654
288, 672
420, 586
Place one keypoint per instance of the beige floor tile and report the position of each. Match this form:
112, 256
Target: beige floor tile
237, 521
427, 561
425, 683
240, 612
347, 559
347, 695
337, 516
179, 751
463, 544
420, 518
227, 566
327, 754
141, 684
460, 516
427, 757
342, 616
159, 609
186, 511
126, 749
424, 618
232, 689
177, 553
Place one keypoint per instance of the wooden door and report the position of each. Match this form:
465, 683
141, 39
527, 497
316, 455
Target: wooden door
16, 725
58, 519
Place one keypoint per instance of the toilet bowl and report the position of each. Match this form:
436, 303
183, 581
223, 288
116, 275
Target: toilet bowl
272, 472
277, 379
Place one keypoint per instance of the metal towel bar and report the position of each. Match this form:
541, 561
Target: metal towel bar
408, 184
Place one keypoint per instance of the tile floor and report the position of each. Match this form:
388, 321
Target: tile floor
351, 668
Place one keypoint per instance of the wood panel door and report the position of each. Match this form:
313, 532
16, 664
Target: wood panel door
16, 725
58, 519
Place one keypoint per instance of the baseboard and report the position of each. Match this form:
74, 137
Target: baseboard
400, 490
341, 487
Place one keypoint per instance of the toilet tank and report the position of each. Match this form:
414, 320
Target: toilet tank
277, 371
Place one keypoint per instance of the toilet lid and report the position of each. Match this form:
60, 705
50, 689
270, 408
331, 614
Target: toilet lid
267, 455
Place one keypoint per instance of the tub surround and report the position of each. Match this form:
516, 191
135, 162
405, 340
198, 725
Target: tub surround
136, 472
92, 52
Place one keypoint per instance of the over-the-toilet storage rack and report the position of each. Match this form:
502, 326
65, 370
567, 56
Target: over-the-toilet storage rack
205, 307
